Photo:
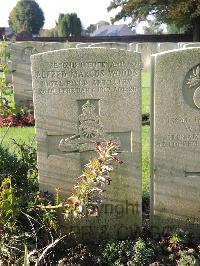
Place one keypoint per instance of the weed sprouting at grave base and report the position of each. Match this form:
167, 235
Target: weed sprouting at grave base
87, 193
29, 232
27, 217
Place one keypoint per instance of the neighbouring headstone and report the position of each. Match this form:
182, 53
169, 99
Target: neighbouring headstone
181, 44
166, 46
21, 67
82, 96
82, 45
146, 50
117, 45
132, 46
191, 45
175, 140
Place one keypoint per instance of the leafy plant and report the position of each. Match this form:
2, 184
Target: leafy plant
116, 253
187, 258
5, 88
21, 202
143, 254
87, 193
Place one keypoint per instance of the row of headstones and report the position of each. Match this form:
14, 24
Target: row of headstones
20, 57
146, 49
21, 52
83, 96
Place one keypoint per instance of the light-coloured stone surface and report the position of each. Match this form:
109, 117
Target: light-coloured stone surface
191, 45
83, 44
166, 46
21, 67
103, 86
146, 50
182, 44
175, 155
117, 45
132, 46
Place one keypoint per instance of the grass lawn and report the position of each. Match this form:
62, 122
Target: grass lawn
145, 159
145, 92
24, 134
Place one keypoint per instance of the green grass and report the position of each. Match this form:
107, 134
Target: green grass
145, 92
24, 134
145, 159
146, 79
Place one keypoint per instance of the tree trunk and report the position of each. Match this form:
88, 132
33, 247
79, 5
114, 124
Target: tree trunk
196, 30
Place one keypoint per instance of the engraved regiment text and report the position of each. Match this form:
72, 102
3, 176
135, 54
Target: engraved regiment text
86, 77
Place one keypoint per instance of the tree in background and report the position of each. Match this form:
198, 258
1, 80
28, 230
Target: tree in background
101, 23
48, 33
63, 25
174, 29
152, 27
68, 25
180, 13
26, 16
90, 29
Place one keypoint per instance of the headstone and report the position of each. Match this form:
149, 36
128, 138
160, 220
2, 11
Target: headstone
182, 44
117, 45
175, 141
192, 45
21, 67
146, 50
166, 46
132, 46
70, 44
103, 86
82, 45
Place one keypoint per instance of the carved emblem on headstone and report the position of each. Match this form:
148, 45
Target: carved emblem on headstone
90, 131
193, 82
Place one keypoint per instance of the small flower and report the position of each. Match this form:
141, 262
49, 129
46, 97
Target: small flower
72, 201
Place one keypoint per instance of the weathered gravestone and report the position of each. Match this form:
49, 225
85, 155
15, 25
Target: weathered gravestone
166, 46
21, 67
175, 157
132, 46
146, 50
182, 44
117, 45
83, 44
82, 96
191, 45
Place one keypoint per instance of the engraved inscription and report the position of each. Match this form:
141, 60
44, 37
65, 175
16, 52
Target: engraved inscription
87, 77
179, 140
191, 124
89, 64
